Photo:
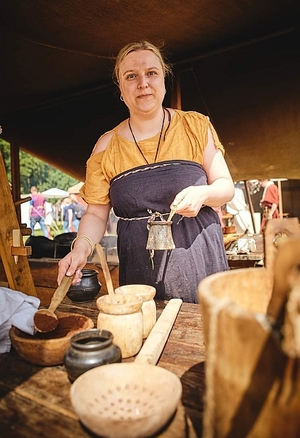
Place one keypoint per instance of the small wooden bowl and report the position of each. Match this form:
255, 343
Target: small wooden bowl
49, 349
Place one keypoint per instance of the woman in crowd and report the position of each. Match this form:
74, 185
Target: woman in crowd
269, 202
156, 160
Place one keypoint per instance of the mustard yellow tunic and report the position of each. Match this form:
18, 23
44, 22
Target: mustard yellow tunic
136, 189
186, 139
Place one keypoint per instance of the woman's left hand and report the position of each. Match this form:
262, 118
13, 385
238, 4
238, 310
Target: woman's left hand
189, 201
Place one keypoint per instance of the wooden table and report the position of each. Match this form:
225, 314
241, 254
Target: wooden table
251, 260
245, 260
34, 400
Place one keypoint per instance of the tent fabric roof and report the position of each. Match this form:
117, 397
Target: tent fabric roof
55, 193
235, 60
76, 188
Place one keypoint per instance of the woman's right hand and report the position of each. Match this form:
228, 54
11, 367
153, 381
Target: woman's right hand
91, 230
71, 264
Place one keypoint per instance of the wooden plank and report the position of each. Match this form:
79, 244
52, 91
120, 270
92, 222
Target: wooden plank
17, 270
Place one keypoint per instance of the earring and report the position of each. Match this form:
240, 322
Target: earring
121, 98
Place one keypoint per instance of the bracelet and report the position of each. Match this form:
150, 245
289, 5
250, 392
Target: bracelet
87, 239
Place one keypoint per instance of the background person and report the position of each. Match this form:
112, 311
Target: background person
68, 215
240, 210
156, 159
269, 201
37, 210
49, 218
79, 210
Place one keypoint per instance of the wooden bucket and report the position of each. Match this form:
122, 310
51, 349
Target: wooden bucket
252, 375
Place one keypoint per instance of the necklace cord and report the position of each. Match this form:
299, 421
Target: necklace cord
160, 135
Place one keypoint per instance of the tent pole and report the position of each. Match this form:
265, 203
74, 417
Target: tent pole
250, 206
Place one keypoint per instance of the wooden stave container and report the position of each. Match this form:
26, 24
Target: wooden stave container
253, 388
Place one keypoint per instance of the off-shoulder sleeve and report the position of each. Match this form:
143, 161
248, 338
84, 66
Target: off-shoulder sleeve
96, 188
197, 126
216, 139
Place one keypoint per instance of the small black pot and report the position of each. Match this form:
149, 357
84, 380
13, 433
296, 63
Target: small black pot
90, 349
87, 289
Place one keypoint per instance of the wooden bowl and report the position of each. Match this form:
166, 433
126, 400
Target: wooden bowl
48, 349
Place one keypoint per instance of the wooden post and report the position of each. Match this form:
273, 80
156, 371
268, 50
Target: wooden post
250, 206
12, 250
15, 174
280, 199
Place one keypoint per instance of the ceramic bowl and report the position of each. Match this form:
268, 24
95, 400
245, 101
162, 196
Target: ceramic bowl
48, 349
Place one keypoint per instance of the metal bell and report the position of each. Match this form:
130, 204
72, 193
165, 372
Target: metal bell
160, 233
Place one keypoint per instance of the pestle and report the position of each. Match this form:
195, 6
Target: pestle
45, 320
106, 271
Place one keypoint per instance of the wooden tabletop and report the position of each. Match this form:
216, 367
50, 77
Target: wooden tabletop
34, 400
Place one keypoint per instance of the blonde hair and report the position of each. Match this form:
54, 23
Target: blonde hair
140, 45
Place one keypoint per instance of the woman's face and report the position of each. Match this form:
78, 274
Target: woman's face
141, 81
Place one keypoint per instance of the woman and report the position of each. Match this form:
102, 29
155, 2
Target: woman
157, 159
269, 202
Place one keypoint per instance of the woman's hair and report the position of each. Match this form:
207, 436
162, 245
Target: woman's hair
140, 45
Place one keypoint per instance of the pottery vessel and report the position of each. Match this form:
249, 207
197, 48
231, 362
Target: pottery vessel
89, 349
87, 289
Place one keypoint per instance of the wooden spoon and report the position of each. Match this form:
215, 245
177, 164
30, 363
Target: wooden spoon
45, 320
106, 271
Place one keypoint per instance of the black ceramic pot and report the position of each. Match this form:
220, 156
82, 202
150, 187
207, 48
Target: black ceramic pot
86, 289
89, 349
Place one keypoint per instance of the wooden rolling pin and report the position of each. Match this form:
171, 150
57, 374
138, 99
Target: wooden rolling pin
155, 342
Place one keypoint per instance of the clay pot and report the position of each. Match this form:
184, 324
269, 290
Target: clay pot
87, 289
90, 349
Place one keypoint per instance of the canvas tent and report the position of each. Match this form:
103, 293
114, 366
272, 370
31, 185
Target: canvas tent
236, 61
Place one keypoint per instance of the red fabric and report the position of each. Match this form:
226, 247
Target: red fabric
37, 202
271, 197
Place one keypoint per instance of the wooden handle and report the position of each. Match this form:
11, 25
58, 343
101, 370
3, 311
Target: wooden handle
60, 292
105, 270
154, 344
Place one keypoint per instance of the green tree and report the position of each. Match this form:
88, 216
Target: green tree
35, 172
